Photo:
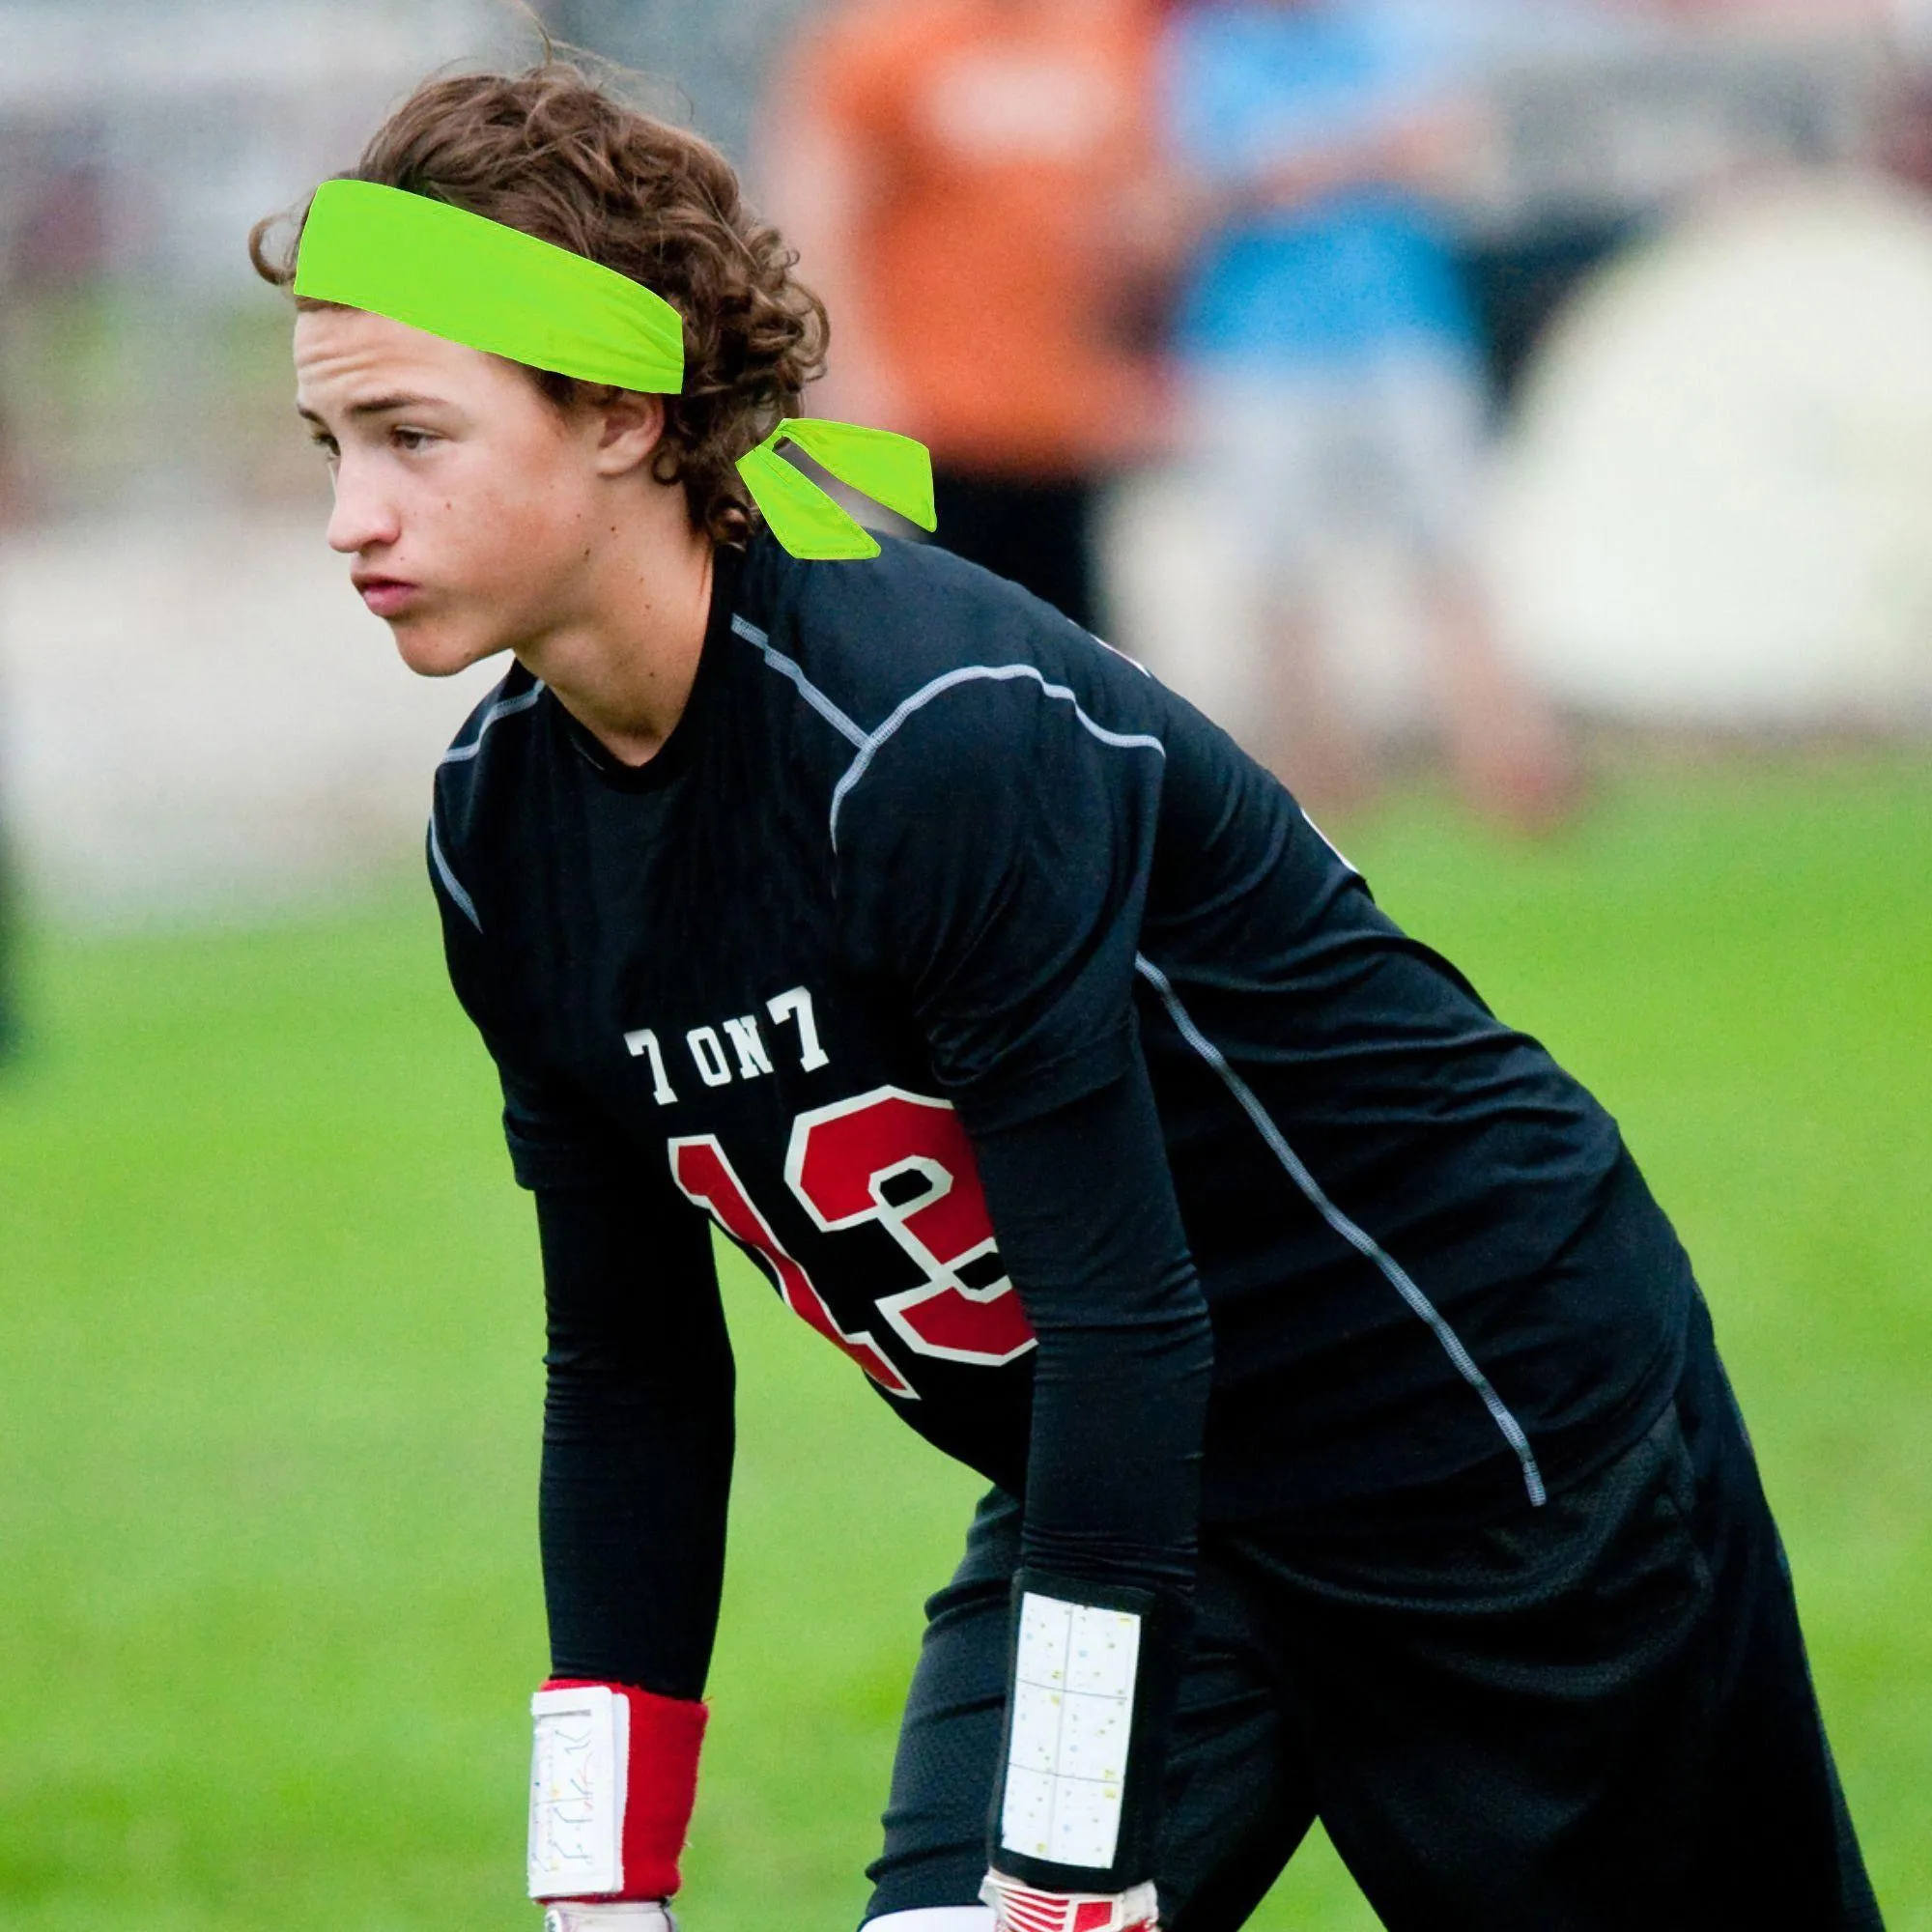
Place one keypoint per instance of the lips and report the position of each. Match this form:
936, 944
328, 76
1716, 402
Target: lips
384, 595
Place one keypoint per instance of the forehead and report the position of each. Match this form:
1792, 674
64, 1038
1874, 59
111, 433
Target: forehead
343, 352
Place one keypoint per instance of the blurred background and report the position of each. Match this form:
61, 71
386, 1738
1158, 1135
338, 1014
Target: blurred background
1512, 418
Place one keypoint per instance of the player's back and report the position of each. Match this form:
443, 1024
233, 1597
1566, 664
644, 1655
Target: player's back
1399, 1205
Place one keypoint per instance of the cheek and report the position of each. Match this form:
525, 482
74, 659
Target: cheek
518, 530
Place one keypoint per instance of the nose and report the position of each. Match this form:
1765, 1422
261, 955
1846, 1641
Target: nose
362, 517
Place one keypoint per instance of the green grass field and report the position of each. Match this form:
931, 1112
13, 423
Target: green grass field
270, 1322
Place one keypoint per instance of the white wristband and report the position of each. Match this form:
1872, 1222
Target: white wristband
629, 1914
1072, 1721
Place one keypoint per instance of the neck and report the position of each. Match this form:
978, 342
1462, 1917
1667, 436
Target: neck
624, 667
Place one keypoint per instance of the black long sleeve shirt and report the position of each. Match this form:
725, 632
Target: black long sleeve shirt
1052, 1066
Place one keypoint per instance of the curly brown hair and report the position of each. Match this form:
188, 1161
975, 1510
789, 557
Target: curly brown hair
551, 152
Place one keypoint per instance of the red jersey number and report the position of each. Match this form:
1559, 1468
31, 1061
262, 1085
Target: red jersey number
700, 1168
904, 1161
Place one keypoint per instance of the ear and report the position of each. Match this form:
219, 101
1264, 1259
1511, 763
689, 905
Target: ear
629, 427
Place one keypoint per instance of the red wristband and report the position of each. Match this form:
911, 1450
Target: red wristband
659, 1777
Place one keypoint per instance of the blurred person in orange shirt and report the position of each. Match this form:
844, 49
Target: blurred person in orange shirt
959, 178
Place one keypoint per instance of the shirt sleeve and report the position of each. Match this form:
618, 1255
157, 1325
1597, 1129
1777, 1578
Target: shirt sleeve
637, 1436
637, 1439
996, 878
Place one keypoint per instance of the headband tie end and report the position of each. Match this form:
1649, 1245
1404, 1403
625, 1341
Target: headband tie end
893, 470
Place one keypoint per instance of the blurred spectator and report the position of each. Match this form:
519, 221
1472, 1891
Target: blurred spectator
954, 175
61, 237
12, 510
1906, 133
1332, 376
56, 245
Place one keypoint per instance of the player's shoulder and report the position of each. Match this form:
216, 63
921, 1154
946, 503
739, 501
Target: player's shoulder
919, 629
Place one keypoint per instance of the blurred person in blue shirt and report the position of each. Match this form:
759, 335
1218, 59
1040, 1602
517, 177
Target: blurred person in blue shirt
1331, 369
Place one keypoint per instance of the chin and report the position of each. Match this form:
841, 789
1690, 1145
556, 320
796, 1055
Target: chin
431, 652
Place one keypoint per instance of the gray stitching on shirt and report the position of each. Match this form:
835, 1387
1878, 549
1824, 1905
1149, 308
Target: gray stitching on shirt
807, 690
1356, 1238
508, 708
450, 883
868, 745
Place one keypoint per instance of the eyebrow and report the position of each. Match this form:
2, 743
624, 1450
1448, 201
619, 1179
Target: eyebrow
374, 406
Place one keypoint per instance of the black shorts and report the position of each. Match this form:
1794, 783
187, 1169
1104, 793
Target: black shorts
1597, 1714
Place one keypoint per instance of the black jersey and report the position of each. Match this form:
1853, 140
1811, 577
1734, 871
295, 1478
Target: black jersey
924, 870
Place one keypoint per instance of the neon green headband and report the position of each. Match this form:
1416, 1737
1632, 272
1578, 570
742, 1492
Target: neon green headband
492, 286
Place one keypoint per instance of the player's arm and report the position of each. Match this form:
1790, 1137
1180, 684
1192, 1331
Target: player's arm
637, 1460
1082, 1203
636, 1475
994, 861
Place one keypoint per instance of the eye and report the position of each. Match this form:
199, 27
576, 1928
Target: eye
413, 439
